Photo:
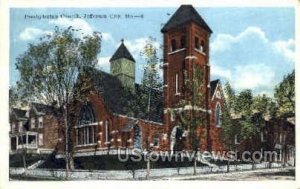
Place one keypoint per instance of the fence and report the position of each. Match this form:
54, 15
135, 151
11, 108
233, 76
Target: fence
137, 174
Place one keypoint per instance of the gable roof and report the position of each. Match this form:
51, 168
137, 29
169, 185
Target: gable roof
184, 15
122, 52
42, 108
213, 86
20, 114
122, 101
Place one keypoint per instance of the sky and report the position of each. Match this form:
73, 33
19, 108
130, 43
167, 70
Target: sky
252, 48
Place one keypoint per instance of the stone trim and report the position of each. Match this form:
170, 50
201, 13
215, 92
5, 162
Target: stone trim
176, 51
191, 57
124, 116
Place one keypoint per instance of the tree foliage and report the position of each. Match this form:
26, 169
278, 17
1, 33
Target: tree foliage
285, 95
151, 76
264, 105
49, 71
151, 81
229, 130
189, 120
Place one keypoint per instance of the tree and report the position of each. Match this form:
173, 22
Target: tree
264, 105
151, 79
285, 95
192, 119
285, 98
229, 130
244, 101
13, 97
230, 98
151, 82
49, 71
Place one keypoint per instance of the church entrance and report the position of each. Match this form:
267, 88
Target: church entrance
176, 139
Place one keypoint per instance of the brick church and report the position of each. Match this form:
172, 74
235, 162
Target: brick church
110, 117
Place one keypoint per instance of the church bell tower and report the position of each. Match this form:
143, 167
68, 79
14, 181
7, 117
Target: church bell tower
186, 53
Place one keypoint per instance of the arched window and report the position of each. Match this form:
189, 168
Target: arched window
176, 84
86, 132
137, 142
218, 115
173, 45
202, 46
156, 139
196, 45
182, 42
107, 136
86, 115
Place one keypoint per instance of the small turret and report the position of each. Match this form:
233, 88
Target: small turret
122, 65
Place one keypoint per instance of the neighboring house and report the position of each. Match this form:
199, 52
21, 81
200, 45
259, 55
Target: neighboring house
34, 129
279, 135
275, 135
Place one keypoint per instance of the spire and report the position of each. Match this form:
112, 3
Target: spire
184, 15
122, 52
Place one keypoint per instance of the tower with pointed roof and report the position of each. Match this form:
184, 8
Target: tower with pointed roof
122, 65
186, 50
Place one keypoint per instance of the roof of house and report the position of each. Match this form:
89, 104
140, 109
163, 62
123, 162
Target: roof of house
213, 86
122, 52
184, 15
122, 101
19, 113
42, 108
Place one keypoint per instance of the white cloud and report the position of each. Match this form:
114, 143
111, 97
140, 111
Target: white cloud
103, 63
224, 42
250, 37
252, 76
286, 48
32, 33
84, 27
77, 23
251, 60
220, 72
107, 37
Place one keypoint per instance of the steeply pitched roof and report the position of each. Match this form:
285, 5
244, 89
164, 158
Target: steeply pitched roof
185, 14
122, 52
42, 108
19, 113
122, 101
213, 86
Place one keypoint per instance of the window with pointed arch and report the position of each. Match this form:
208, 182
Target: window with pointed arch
86, 130
173, 45
218, 115
182, 42
202, 47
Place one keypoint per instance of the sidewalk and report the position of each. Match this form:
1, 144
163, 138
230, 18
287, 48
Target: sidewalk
262, 174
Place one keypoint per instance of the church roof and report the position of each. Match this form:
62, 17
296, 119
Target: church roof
122, 101
122, 52
213, 86
185, 14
